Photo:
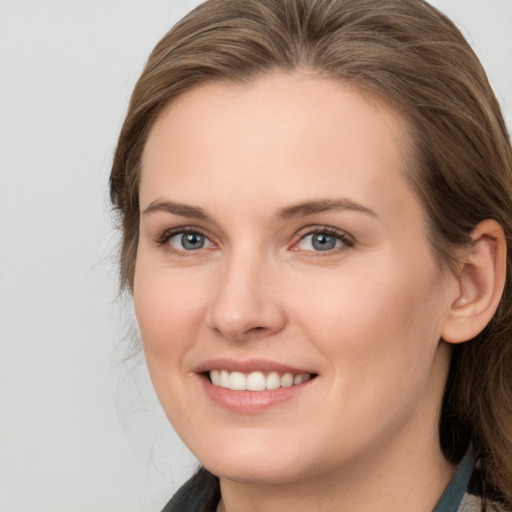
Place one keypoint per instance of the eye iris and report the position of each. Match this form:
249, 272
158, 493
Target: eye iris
323, 242
191, 241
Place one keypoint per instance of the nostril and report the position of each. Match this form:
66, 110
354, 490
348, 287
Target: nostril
255, 329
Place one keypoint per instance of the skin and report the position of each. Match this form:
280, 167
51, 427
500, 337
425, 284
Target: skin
367, 317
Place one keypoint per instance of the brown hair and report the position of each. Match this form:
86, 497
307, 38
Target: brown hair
413, 56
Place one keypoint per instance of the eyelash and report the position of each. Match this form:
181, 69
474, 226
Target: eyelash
346, 240
163, 239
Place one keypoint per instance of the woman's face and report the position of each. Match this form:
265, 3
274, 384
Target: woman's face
280, 243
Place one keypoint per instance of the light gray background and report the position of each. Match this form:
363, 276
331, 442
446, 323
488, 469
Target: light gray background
80, 432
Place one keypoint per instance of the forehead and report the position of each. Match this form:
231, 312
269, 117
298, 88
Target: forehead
280, 136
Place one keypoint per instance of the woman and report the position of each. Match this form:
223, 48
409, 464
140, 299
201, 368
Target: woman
315, 199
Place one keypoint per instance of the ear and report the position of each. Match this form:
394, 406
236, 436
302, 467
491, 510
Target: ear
481, 281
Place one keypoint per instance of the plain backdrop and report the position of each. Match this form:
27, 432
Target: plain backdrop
81, 430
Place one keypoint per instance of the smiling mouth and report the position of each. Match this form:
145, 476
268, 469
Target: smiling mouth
256, 380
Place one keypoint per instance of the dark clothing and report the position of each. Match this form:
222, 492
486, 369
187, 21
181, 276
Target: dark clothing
466, 492
199, 494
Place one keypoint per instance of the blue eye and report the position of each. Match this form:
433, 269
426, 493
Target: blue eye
188, 241
321, 241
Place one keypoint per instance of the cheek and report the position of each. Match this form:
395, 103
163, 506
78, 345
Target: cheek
169, 312
374, 325
380, 348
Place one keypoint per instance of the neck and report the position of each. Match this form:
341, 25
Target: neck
393, 479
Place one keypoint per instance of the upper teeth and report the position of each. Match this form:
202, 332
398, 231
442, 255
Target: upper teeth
256, 381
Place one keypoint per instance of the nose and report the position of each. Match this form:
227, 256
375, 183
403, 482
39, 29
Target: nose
247, 301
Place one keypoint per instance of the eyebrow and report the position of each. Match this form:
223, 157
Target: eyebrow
322, 205
289, 212
183, 210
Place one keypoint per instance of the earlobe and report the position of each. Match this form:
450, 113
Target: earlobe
481, 281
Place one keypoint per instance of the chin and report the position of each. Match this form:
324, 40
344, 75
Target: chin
257, 460
259, 472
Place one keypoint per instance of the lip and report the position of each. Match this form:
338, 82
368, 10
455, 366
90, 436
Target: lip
249, 365
250, 402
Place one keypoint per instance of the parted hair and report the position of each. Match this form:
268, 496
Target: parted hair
409, 54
